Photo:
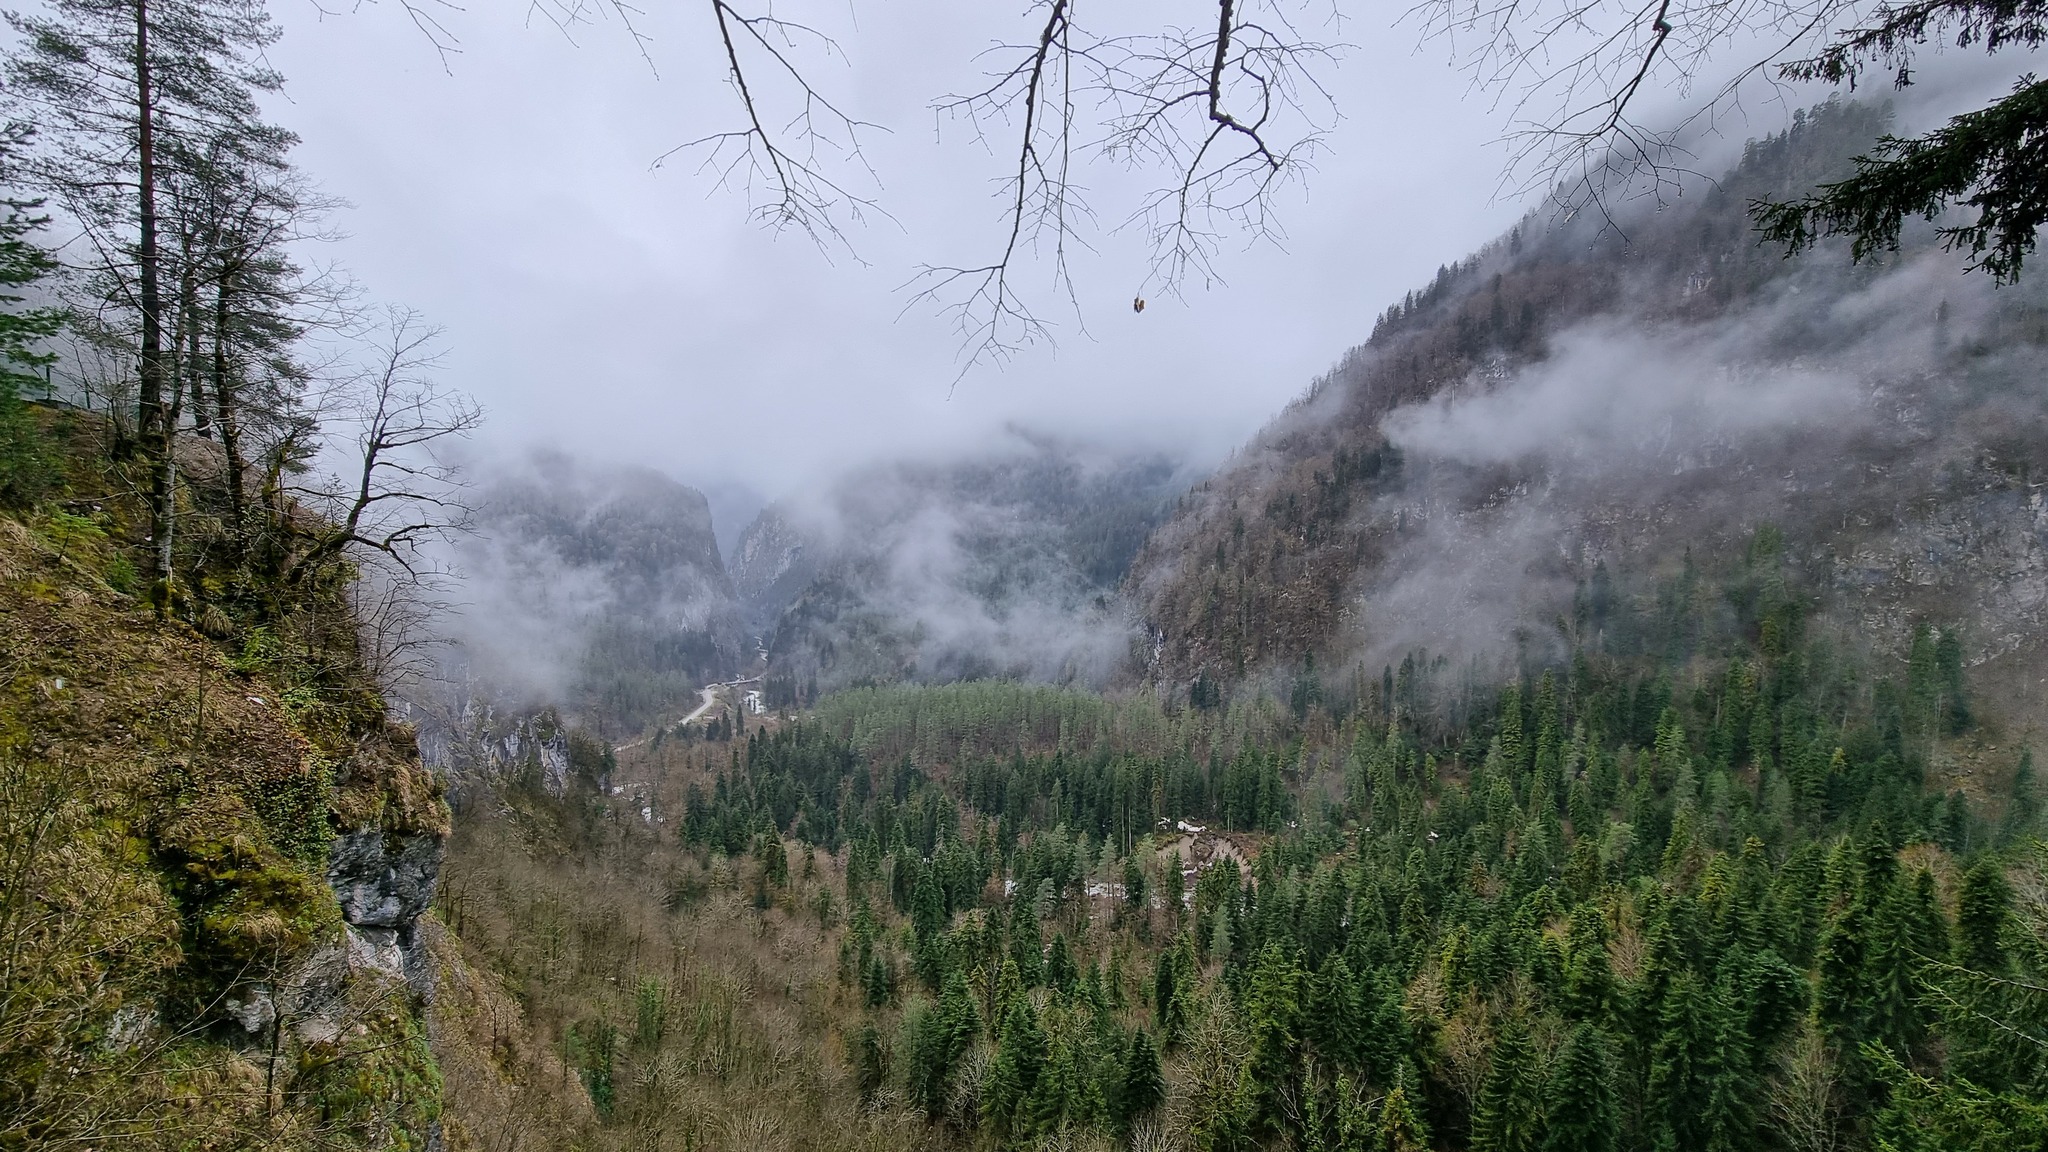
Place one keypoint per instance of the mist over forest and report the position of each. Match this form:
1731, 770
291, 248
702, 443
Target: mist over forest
1262, 586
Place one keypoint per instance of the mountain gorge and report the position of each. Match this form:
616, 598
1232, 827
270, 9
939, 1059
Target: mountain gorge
1003, 564
596, 590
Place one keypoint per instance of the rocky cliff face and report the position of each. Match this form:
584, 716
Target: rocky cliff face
771, 563
384, 882
231, 860
1001, 565
466, 735
596, 591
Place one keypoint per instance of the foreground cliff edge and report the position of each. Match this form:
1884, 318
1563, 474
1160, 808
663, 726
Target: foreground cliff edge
218, 854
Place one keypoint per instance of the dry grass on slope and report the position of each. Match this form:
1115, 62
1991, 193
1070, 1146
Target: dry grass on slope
165, 816
613, 993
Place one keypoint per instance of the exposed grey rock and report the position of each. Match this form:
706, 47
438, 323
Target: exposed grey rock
384, 882
475, 738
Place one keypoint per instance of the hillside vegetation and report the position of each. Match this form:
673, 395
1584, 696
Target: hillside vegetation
204, 847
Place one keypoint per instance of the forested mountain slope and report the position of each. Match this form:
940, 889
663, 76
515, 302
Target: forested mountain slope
1701, 885
1691, 806
1573, 412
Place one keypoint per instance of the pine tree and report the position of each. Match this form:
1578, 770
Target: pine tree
1948, 667
1027, 945
1046, 1106
1166, 1002
1014, 1073
1509, 1114
1400, 1127
1335, 1020
1059, 965
1927, 925
926, 1068
1580, 1106
1841, 998
28, 466
1142, 1086
1588, 978
1698, 1093
1982, 908
1273, 1014
1923, 685
1513, 748
1891, 989
135, 98
876, 983
936, 1037
1676, 1099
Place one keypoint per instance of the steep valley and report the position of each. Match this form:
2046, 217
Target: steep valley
1599, 714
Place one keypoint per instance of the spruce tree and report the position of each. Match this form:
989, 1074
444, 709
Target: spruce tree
1891, 988
1982, 908
1509, 1114
1059, 965
1401, 1127
1588, 978
1166, 996
1273, 1014
926, 1067
1142, 1086
1678, 1090
132, 98
1580, 1110
1336, 1018
1013, 1075
28, 466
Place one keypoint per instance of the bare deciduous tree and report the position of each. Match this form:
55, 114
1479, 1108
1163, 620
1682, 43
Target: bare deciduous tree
1805, 1096
393, 493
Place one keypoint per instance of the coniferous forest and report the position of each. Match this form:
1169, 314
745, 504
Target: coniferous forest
1694, 886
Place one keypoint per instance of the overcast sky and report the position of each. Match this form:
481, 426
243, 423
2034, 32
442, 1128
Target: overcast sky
597, 303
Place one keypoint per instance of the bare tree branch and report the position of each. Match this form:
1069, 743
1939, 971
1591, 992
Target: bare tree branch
400, 494
1227, 115
781, 167
1573, 73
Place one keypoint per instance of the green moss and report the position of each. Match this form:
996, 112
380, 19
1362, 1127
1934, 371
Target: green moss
248, 913
379, 1087
295, 813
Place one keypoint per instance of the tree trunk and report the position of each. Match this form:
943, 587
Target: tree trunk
153, 430
224, 403
195, 334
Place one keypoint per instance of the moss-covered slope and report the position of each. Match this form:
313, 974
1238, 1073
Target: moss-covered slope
210, 877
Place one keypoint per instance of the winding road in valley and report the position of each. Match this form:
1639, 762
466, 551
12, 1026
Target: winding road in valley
710, 696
